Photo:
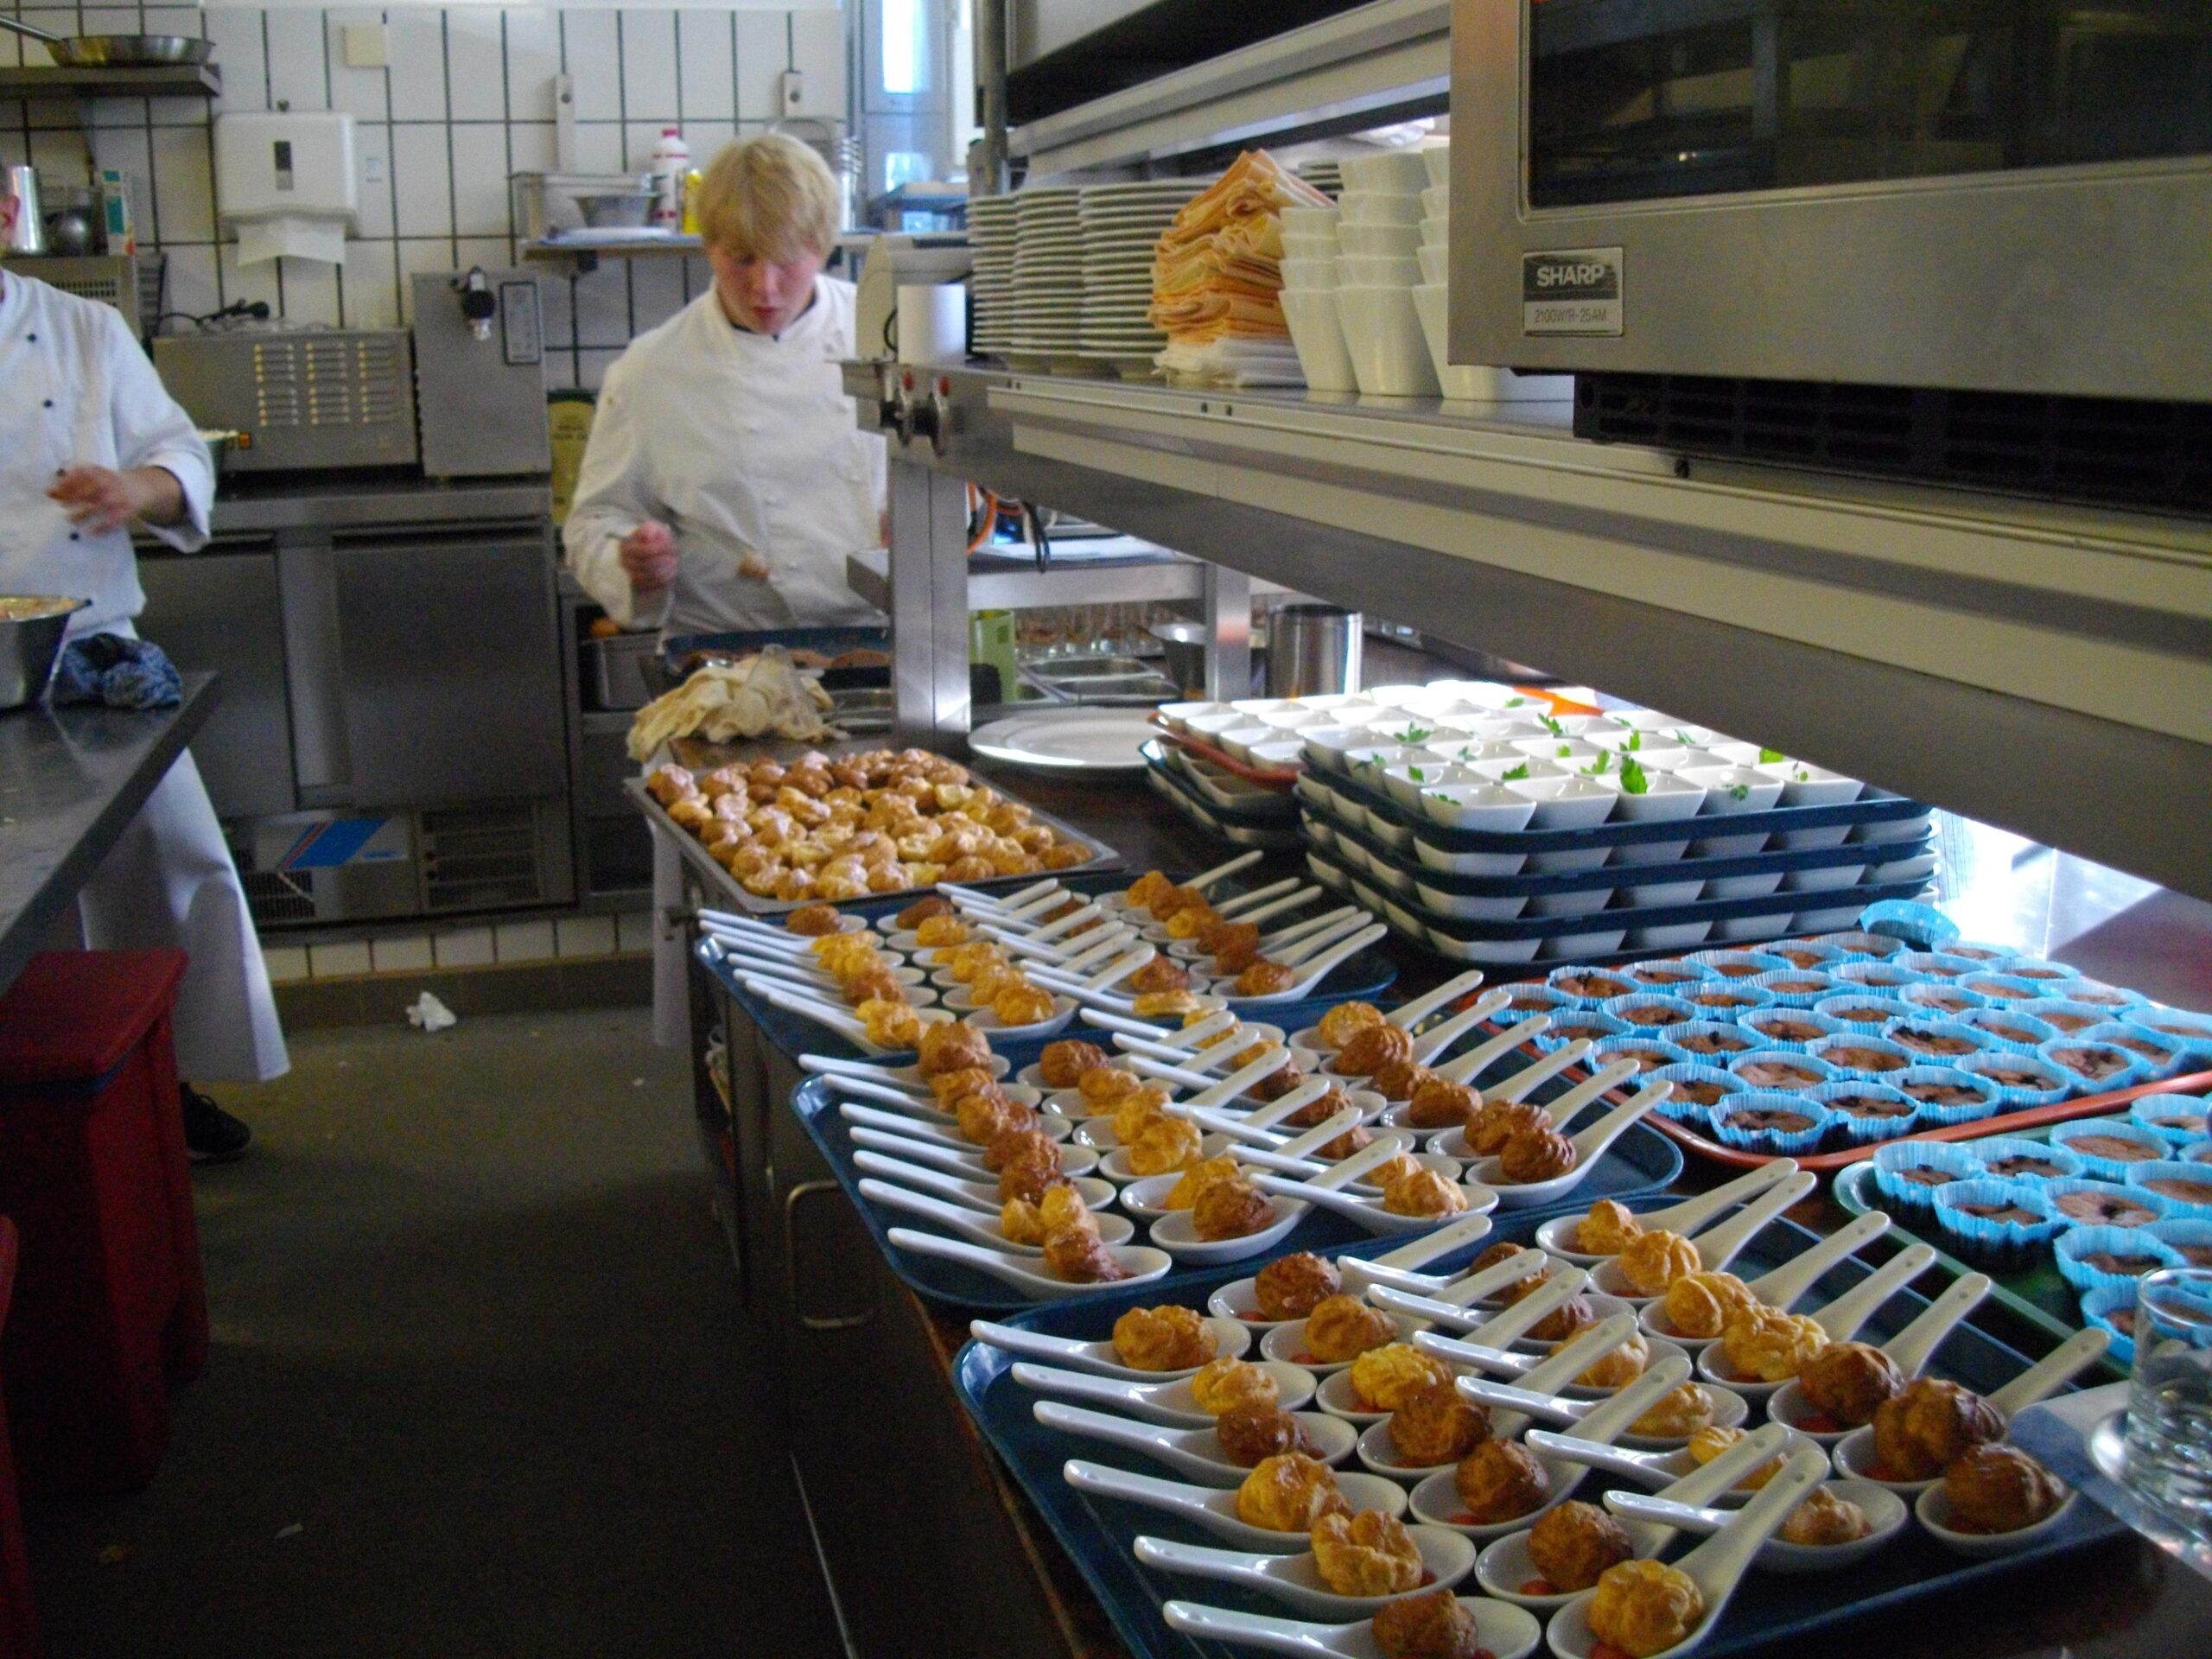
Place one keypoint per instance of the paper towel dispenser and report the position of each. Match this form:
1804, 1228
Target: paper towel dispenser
287, 182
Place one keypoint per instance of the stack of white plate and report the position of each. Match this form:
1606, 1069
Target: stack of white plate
1045, 318
1378, 235
990, 286
1309, 297
1121, 225
1326, 177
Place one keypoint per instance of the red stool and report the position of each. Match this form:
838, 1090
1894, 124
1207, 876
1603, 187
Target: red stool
18, 1623
110, 1303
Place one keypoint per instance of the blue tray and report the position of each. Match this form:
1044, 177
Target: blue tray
1640, 1161
1768, 1610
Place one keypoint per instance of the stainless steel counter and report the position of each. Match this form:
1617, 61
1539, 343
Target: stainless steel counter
265, 505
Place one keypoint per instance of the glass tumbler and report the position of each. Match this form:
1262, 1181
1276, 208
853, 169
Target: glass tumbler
2169, 1401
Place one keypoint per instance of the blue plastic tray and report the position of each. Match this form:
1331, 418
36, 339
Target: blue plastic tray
1640, 1161
1767, 1611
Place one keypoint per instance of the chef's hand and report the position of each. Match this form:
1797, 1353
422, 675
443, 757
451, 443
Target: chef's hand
100, 499
649, 556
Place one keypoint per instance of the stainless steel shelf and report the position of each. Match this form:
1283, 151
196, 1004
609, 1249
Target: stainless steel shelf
1165, 576
2044, 667
163, 80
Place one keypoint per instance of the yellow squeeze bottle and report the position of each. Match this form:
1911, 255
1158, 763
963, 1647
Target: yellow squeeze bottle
691, 202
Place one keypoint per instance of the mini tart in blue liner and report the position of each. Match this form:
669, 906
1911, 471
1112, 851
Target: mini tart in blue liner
1933, 964
2112, 1309
1999, 990
2176, 1119
2000, 1225
1775, 1124
2108, 1146
1863, 1011
2009, 1028
1681, 1105
1866, 1112
1589, 986
2157, 1057
1584, 1021
1668, 974
2187, 1188
1729, 963
1940, 999
2088, 1203
1881, 976
1935, 1040
1855, 1056
2021, 1080
1786, 1027
1905, 1173
1949, 1097
2016, 1158
2191, 1238
1711, 1041
1786, 1071
2112, 1258
1797, 988
1651, 1014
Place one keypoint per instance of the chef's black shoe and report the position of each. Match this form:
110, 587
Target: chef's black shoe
212, 1135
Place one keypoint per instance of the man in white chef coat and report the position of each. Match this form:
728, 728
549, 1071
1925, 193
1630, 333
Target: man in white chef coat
725, 481
89, 446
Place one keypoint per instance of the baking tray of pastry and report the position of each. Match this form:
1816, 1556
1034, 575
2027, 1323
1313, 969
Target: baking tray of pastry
1768, 1612
1640, 1161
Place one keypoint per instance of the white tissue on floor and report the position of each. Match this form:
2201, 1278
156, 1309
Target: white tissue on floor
430, 1014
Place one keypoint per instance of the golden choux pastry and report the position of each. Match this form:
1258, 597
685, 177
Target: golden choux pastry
1292, 1286
1388, 1376
814, 920
1141, 891
1372, 1047
1264, 977
1439, 1103
1103, 1086
1999, 1488
1340, 1023
1654, 1260
1501, 1480
941, 931
1277, 1083
982, 1118
1532, 1155
1700, 1304
1290, 1492
1027, 1222
1318, 1111
1063, 1062
1167, 1144
1505, 1250
1573, 1544
1029, 1174
1161, 974
1619, 1368
1341, 1328
1848, 1382
1027, 1144
1355, 1139
1434, 1426
1420, 1192
1136, 1111
1076, 1255
1022, 1005
1432, 1625
1646, 1608
890, 1024
949, 1086
1186, 923
1165, 1338
1397, 1080
949, 1045
1249, 1434
1369, 1553
1606, 1229
1231, 1209
1931, 1425
1769, 1345
1825, 1519
1159, 1004
1224, 1384
1496, 1122
1200, 1176
1709, 1443
1675, 1416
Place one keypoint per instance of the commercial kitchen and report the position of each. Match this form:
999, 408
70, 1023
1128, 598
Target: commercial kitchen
888, 827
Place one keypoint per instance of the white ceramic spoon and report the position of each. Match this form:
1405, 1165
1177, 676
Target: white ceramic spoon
1399, 1269
1546, 1378
1184, 1064
1716, 1565
1466, 1068
1232, 1339
1558, 1235
1379, 1452
980, 1195
1214, 1508
847, 923
1447, 1558
1056, 955
1257, 1127
1408, 1014
918, 1106
1326, 1189
1649, 1467
1304, 949
1884, 1510
1194, 1453
1168, 1401
1095, 984
1255, 902
1910, 1349
1933, 1506
1177, 1233
1720, 1244
1784, 1286
1590, 1144
1501, 1631
1138, 1262
1430, 1044
1076, 1161
973, 1225
1730, 1410
1314, 970
1037, 893
1215, 1092
1498, 1330
1054, 1126
908, 1076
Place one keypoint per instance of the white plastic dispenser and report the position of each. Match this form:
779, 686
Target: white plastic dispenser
287, 183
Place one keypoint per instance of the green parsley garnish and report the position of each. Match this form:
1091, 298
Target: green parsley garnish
1635, 742
1803, 776
1768, 757
1634, 781
1552, 726
1413, 735
1514, 774
1566, 750
1599, 768
1739, 791
1514, 702
1416, 774
1683, 738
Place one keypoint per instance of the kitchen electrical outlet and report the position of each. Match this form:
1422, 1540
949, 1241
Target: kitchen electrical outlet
793, 84
372, 169
368, 46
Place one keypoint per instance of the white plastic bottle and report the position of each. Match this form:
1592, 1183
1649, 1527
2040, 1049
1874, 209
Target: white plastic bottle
671, 162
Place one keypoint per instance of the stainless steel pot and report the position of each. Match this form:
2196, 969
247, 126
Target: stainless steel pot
115, 51
1313, 650
29, 642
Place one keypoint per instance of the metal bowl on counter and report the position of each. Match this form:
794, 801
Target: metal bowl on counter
31, 630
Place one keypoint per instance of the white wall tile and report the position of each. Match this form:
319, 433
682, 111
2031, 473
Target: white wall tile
310, 291
533, 59
524, 941
422, 181
557, 304
371, 298
110, 20
128, 149
584, 936
254, 281
236, 31
297, 70
62, 157
706, 138
476, 75
639, 138
591, 367
649, 66
705, 67
479, 180
339, 960
655, 291
418, 63
464, 947
285, 962
492, 252
15, 148
635, 930
99, 112
407, 955
603, 304
184, 186
420, 256
531, 146
598, 147
365, 93
190, 279
592, 54
763, 54
560, 371
372, 155
818, 51
173, 19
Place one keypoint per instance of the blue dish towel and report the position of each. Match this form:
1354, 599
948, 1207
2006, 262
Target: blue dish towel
119, 672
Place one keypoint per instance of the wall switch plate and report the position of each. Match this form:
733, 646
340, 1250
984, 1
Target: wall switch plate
368, 46
793, 86
372, 169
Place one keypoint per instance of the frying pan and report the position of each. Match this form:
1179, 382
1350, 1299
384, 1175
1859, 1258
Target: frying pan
115, 51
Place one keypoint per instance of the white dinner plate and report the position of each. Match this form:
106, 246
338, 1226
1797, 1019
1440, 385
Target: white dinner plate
1099, 741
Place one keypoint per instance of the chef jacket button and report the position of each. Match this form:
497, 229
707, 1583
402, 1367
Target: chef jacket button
49, 403
72, 535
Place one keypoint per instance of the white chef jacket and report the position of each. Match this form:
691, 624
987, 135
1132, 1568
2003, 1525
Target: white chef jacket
740, 443
76, 390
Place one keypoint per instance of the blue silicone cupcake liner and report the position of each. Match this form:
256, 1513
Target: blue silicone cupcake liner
1772, 1141
1570, 1023
1649, 1052
1933, 964
1679, 1106
2003, 1246
2122, 1077
2002, 990
1875, 946
2117, 1192
1816, 953
2182, 1205
1797, 988
2035, 970
2197, 1152
1877, 1010
1914, 1197
1975, 950
1935, 1115
2101, 1307
1864, 1128
2065, 1167
1588, 998
2083, 1242
1877, 1059
1784, 1027
2177, 1120
1668, 972
2104, 1168
1880, 976
2061, 1015
2003, 1070
1626, 1008
1535, 999
1731, 964
1794, 1058
2126, 1035
1725, 999
2098, 994
2009, 1028
2184, 1236
1731, 1038
1943, 999
2192, 1030
1904, 1032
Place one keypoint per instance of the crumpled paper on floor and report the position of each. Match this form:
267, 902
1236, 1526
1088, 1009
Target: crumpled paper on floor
429, 1015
